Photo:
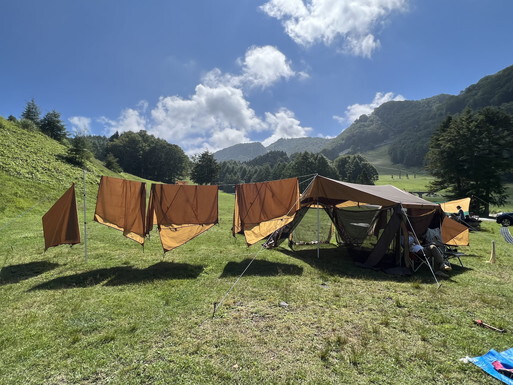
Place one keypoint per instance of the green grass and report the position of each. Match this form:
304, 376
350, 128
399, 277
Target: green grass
136, 316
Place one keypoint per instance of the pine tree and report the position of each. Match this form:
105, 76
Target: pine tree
78, 153
32, 112
111, 162
205, 169
470, 154
52, 125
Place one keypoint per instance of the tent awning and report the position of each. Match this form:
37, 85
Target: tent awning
332, 192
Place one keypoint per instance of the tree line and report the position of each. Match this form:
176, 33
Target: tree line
278, 165
469, 155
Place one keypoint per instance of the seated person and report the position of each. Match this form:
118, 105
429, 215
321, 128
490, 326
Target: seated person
430, 251
461, 214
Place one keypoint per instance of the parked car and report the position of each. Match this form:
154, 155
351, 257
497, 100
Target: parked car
505, 219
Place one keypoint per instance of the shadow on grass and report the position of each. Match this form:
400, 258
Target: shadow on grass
344, 262
159, 271
18, 273
124, 275
260, 268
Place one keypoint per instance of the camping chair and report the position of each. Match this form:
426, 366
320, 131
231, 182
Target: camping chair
448, 252
418, 261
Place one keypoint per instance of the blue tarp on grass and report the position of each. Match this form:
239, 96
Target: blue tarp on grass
485, 363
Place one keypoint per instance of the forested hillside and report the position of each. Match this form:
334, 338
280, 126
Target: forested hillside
408, 125
240, 152
404, 126
295, 145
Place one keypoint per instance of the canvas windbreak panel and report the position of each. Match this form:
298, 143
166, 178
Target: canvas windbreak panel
121, 204
452, 206
60, 223
454, 233
262, 208
181, 212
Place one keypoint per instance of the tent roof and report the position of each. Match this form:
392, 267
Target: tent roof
330, 191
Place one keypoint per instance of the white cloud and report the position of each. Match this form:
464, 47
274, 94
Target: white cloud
283, 124
261, 67
209, 112
354, 111
129, 120
329, 21
80, 125
218, 114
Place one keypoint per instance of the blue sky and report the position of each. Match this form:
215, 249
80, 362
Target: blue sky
207, 74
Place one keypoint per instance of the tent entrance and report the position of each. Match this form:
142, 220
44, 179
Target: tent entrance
315, 228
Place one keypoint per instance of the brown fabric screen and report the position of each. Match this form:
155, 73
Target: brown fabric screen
121, 204
181, 212
60, 223
420, 222
454, 233
262, 208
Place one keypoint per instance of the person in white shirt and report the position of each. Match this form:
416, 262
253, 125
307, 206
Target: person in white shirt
431, 251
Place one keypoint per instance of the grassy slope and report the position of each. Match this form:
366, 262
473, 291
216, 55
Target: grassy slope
134, 316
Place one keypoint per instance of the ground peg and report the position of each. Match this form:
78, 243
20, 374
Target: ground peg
492, 254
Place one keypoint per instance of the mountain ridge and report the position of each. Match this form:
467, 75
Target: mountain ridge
405, 126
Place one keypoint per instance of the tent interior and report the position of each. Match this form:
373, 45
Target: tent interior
371, 221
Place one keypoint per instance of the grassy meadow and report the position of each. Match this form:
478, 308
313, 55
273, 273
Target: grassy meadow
133, 315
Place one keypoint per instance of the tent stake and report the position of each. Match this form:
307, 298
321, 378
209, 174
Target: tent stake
492, 254
85, 216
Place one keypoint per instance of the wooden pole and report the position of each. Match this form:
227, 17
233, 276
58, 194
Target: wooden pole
318, 229
492, 254
85, 218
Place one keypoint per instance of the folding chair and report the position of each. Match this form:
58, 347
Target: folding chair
418, 261
451, 252
448, 252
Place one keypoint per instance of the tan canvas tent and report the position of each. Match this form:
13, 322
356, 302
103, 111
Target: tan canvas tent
386, 212
451, 206
181, 212
60, 223
121, 204
261, 208
393, 203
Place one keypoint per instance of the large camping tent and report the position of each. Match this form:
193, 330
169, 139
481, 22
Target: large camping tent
385, 212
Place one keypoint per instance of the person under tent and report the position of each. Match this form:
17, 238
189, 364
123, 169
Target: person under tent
429, 250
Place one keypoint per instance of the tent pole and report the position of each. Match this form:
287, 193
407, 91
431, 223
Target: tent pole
318, 229
85, 216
